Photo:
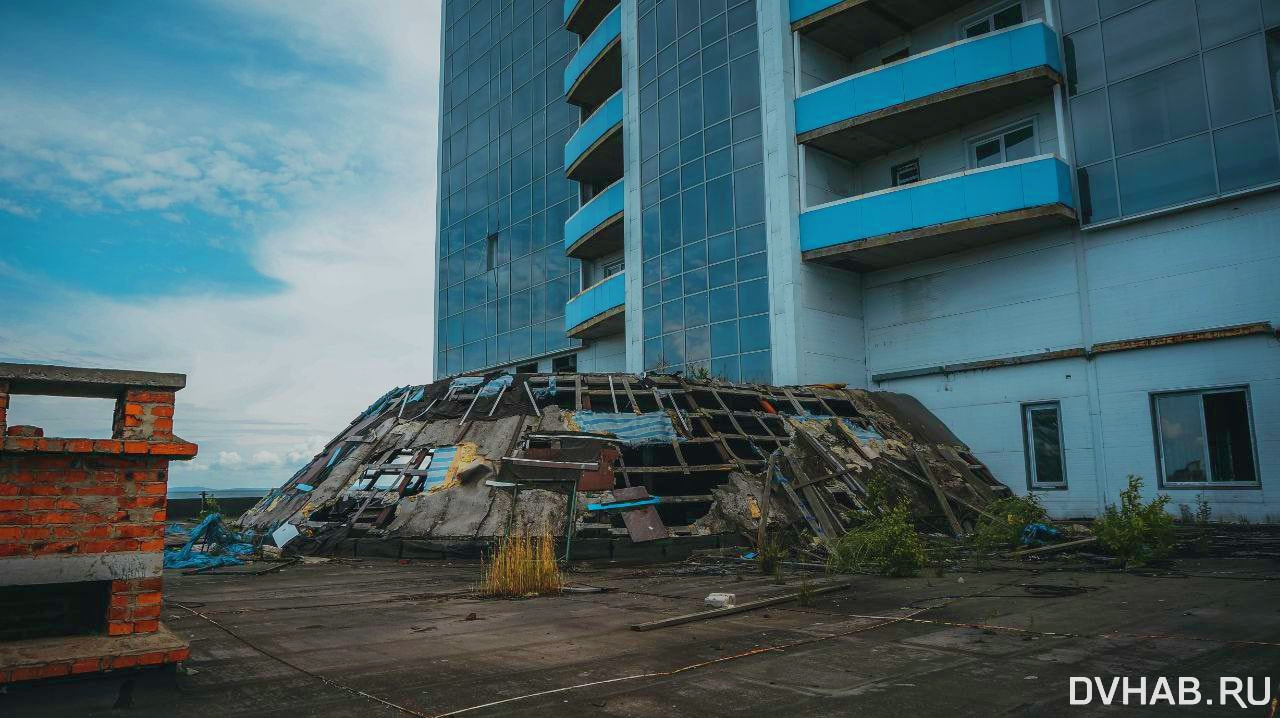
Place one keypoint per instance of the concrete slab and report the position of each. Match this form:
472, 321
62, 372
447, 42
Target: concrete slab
412, 634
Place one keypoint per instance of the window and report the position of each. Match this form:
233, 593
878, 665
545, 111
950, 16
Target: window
565, 365
906, 173
1016, 143
490, 252
612, 268
1006, 16
1172, 101
1042, 438
531, 368
1205, 437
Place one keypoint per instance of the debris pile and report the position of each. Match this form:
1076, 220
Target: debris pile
623, 457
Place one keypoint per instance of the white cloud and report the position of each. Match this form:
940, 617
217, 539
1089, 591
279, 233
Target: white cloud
8, 205
228, 459
271, 377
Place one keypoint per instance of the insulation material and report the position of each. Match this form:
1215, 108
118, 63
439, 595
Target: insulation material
632, 429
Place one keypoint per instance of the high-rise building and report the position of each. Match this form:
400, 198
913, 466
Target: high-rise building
1054, 222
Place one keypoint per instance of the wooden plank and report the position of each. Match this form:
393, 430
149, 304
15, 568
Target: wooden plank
956, 528
626, 386
766, 491
1054, 547
544, 464
740, 608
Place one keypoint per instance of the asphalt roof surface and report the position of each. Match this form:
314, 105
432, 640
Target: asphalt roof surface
382, 638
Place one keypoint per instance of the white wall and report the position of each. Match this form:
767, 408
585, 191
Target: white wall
1203, 268
606, 354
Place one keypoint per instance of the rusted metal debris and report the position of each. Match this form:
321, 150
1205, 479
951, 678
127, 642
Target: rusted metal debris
585, 455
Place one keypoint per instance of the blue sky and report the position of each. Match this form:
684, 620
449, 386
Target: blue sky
218, 188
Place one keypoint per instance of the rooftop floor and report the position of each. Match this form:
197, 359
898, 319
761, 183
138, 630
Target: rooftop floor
306, 638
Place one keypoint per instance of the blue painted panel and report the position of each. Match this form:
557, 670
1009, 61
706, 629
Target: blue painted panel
604, 119
595, 300
961, 63
800, 9
997, 190
930, 74
937, 202
569, 7
1002, 188
609, 29
592, 214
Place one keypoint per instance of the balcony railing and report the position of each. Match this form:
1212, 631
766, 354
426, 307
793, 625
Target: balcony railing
594, 151
583, 16
596, 228
595, 71
873, 112
597, 310
939, 216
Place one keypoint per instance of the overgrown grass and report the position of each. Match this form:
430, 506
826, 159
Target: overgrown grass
886, 543
523, 565
1010, 516
1133, 531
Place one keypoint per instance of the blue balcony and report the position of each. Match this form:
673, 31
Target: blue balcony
597, 310
852, 26
583, 16
595, 71
873, 112
939, 216
596, 229
594, 151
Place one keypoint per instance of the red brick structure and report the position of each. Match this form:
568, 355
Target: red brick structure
82, 527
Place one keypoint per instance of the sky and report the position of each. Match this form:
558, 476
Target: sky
241, 191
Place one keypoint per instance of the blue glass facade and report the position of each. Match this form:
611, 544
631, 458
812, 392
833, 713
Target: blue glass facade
705, 291
1172, 101
503, 276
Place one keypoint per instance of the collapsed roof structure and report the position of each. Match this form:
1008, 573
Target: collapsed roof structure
639, 458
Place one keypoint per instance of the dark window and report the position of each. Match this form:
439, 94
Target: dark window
1042, 433
1205, 437
531, 368
1006, 16
490, 252
565, 364
1008, 145
906, 173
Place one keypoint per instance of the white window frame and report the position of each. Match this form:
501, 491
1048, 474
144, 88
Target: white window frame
1029, 448
1208, 483
989, 15
971, 145
618, 265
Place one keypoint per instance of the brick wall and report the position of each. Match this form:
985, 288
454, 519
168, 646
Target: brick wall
80, 497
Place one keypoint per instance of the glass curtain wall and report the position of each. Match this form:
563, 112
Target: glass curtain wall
504, 277
1172, 101
705, 296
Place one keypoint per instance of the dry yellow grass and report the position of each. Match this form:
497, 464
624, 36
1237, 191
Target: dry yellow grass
523, 565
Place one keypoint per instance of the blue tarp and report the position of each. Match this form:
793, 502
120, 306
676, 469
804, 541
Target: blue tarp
495, 386
214, 535
438, 469
1039, 535
548, 392
633, 429
465, 382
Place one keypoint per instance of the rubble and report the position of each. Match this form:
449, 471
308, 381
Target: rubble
464, 461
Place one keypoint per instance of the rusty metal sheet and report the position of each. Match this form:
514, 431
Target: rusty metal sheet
644, 524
